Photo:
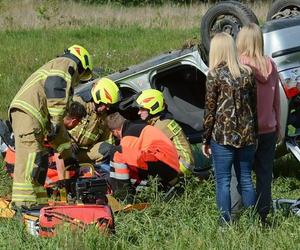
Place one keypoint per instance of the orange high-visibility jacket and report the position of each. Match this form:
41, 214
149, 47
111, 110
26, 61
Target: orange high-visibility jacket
149, 145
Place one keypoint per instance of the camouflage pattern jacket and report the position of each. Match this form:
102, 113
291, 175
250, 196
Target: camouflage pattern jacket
230, 109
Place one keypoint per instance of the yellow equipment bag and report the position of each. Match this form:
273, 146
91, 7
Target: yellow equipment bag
5, 211
117, 206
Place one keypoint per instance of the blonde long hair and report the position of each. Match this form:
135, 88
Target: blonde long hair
223, 50
250, 43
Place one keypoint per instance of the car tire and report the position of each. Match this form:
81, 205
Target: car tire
227, 16
283, 9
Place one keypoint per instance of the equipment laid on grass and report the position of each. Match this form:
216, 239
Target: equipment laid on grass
118, 207
91, 190
31, 221
76, 216
79, 199
5, 210
44, 222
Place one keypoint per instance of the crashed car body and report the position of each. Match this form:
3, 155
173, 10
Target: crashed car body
181, 76
281, 39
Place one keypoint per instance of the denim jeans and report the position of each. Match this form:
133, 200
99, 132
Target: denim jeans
242, 158
263, 167
236, 198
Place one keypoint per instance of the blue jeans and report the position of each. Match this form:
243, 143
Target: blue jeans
242, 158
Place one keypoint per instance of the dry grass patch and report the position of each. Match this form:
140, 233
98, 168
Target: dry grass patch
28, 14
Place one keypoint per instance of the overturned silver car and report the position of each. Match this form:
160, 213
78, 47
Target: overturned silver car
181, 74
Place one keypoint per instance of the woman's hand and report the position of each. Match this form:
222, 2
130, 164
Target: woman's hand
206, 150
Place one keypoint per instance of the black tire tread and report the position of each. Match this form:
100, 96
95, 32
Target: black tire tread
246, 9
237, 9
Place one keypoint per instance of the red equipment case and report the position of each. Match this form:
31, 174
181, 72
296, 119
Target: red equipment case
78, 216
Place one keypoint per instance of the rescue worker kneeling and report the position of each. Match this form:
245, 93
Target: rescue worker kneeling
152, 109
144, 150
92, 131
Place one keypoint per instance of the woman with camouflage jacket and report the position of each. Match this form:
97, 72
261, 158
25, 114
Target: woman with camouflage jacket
230, 122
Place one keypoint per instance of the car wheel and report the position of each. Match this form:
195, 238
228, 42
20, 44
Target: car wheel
228, 17
284, 9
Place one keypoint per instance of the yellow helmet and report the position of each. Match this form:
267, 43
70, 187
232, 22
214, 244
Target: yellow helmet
86, 61
152, 100
105, 91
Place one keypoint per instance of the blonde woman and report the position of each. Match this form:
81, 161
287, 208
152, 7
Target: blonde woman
250, 48
230, 122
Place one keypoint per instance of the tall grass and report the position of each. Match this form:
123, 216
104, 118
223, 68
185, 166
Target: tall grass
54, 13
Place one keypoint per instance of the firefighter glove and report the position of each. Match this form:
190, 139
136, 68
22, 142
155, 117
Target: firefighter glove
54, 130
108, 150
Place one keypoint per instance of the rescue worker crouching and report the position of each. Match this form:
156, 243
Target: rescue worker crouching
37, 111
144, 150
152, 109
92, 131
75, 113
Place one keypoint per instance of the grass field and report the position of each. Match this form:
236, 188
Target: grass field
187, 222
55, 13
113, 49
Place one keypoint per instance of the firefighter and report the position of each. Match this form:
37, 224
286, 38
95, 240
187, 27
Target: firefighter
152, 110
144, 150
37, 111
88, 136
75, 113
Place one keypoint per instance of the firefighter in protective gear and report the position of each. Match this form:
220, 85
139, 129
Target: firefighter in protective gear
92, 131
152, 109
75, 113
144, 150
36, 112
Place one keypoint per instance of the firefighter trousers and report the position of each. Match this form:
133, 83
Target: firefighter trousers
29, 140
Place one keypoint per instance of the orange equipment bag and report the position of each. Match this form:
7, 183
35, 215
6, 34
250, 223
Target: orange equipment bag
9, 161
77, 216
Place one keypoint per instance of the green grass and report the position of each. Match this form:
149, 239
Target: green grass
188, 222
22, 52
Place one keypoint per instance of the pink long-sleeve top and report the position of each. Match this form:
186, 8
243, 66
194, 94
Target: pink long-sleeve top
268, 102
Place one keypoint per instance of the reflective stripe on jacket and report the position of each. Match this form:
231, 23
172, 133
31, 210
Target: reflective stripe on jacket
175, 133
45, 96
92, 128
